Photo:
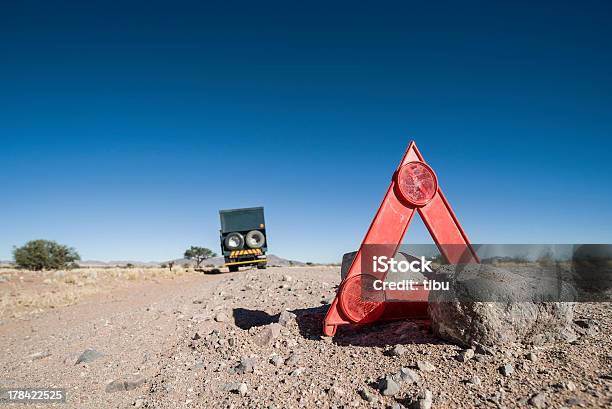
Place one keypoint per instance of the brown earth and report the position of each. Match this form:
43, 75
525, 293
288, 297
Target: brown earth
178, 340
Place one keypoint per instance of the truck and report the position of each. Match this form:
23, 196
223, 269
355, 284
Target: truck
243, 238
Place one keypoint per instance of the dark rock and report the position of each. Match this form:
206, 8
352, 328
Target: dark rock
398, 350
465, 355
246, 365
268, 334
388, 386
424, 400
286, 318
538, 400
127, 384
408, 375
367, 395
89, 355
506, 369
425, 366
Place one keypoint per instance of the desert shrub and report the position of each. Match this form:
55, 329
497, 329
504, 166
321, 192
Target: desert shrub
44, 254
198, 254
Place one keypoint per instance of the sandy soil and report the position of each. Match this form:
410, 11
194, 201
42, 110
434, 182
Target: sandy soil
197, 340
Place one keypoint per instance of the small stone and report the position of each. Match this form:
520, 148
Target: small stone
39, 355
246, 365
531, 357
398, 350
570, 386
367, 395
221, 317
297, 372
277, 360
268, 334
425, 366
89, 355
388, 387
538, 400
506, 369
286, 318
287, 277
240, 388
335, 391
139, 403
293, 359
127, 384
465, 355
424, 400
482, 358
408, 375
474, 380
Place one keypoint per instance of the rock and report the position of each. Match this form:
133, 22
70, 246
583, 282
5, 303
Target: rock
297, 372
286, 318
482, 306
570, 386
398, 350
424, 400
425, 366
474, 380
139, 403
367, 395
293, 359
127, 384
240, 388
221, 317
246, 365
465, 355
388, 387
409, 376
277, 360
506, 369
531, 357
335, 391
268, 334
39, 355
89, 355
538, 400
286, 277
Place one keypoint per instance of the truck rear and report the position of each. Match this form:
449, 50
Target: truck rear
243, 237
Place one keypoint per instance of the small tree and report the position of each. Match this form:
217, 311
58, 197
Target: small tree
44, 254
198, 254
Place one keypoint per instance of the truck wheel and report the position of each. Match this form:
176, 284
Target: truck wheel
255, 239
234, 241
261, 266
233, 269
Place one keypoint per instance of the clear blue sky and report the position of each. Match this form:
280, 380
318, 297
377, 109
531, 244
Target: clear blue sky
124, 128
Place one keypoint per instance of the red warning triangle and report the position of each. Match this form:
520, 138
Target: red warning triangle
414, 188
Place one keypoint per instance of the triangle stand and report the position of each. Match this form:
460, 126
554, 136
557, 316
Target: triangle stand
414, 188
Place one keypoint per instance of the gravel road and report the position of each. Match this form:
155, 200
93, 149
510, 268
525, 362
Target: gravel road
252, 339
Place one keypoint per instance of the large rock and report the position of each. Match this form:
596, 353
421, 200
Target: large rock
492, 306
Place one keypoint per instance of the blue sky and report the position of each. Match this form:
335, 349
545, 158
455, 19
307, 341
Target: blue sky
123, 129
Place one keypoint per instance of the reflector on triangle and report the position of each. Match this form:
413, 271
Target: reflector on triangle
414, 187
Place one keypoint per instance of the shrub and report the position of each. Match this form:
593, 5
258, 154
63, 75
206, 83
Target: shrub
44, 254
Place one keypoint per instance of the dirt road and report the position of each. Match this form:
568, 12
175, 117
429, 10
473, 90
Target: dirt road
252, 339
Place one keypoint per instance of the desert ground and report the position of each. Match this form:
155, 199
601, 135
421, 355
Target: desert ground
147, 337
